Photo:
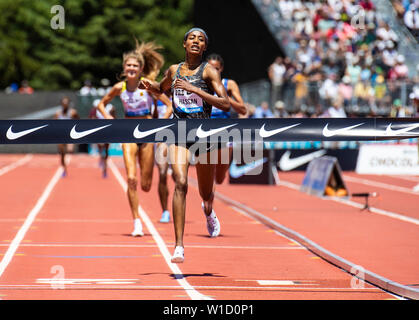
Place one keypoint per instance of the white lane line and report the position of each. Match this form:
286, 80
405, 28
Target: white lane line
193, 294
29, 219
78, 245
16, 164
407, 178
378, 211
358, 205
379, 185
81, 286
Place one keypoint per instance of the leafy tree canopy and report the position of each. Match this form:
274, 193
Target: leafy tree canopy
95, 35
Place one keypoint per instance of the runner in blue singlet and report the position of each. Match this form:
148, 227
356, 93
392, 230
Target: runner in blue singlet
238, 105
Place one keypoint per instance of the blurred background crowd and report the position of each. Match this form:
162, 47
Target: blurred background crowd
346, 61
346, 58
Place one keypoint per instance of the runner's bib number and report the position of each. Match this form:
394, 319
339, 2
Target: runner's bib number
188, 102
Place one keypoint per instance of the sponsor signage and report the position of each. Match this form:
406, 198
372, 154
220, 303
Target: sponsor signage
256, 171
388, 159
193, 130
319, 174
298, 159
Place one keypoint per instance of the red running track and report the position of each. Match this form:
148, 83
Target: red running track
69, 238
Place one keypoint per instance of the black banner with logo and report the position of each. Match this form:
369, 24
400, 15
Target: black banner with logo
212, 130
298, 159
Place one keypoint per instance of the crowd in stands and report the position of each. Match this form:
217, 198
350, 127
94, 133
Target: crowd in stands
408, 11
346, 62
89, 90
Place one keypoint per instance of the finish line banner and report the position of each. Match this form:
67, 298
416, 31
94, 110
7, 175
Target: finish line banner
206, 130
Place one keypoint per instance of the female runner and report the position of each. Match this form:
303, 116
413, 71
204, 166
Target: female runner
238, 105
145, 62
65, 113
103, 148
197, 80
162, 111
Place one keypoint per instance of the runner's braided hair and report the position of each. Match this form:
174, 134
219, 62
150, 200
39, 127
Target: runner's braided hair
216, 57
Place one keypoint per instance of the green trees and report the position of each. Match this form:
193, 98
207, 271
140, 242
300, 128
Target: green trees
95, 35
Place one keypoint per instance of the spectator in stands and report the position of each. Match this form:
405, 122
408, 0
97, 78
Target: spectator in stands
363, 52
346, 91
263, 111
315, 78
276, 72
390, 54
300, 80
398, 110
329, 90
401, 70
336, 110
250, 111
353, 70
414, 97
384, 33
88, 89
364, 93
25, 88
12, 88
411, 20
380, 91
280, 111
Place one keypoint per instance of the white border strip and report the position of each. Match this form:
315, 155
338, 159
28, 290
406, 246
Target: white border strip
386, 213
16, 164
378, 184
29, 220
193, 294
342, 263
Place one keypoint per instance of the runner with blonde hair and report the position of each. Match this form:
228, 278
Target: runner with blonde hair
143, 62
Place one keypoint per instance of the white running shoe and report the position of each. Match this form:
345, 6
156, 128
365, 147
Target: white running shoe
165, 217
178, 255
213, 224
138, 229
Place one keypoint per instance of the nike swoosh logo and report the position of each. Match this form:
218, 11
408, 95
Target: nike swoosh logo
141, 134
267, 133
331, 133
391, 132
74, 134
238, 171
203, 134
287, 164
16, 135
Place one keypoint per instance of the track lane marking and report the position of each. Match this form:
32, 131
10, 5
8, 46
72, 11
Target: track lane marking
190, 290
82, 286
378, 184
351, 203
16, 164
28, 221
153, 246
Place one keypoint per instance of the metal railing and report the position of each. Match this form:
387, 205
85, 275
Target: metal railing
363, 98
